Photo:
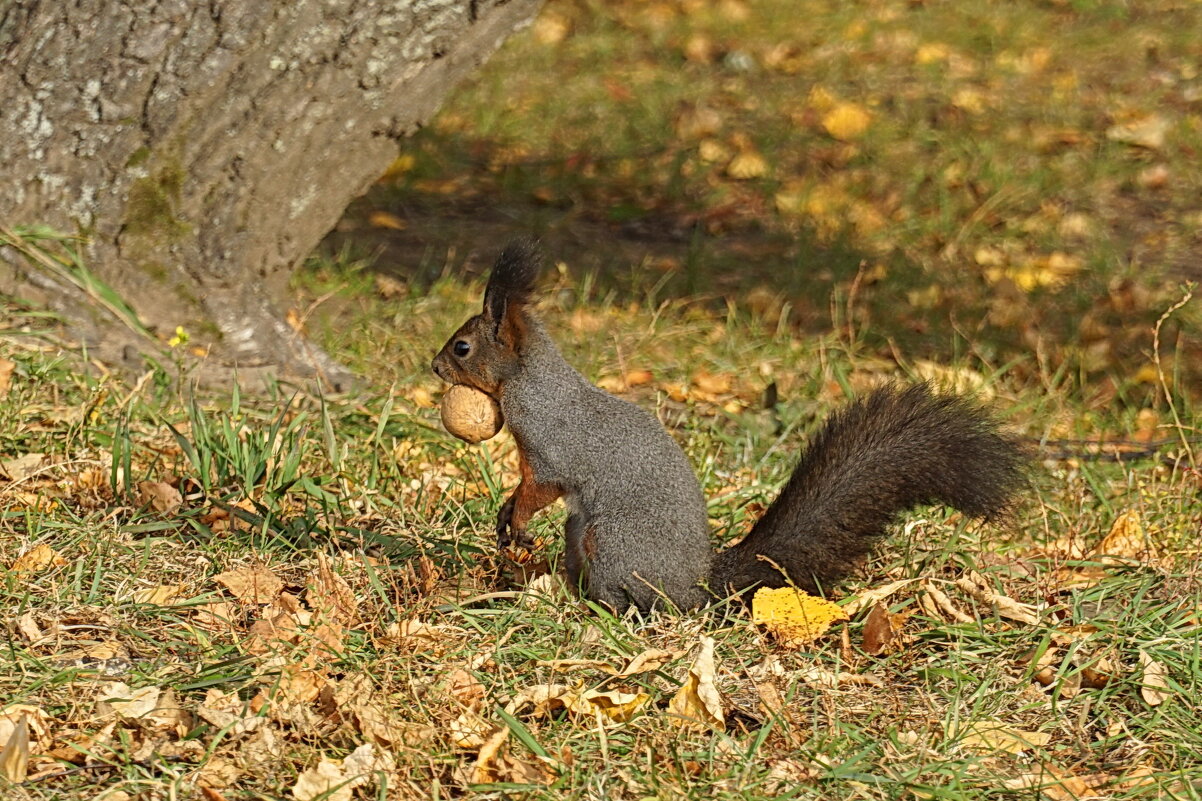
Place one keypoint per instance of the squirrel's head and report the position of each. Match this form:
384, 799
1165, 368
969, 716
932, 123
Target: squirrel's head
486, 349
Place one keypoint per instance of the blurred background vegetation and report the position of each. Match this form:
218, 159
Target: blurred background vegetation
1014, 181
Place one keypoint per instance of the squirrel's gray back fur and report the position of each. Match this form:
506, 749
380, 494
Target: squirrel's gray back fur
635, 506
637, 532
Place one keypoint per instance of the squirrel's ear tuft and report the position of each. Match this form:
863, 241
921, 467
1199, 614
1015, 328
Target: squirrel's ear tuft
513, 277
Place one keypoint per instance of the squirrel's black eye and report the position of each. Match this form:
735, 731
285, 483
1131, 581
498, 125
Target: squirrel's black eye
461, 347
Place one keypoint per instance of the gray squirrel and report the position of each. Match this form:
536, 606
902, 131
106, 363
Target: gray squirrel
637, 530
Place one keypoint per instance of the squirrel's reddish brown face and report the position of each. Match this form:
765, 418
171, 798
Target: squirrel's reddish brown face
471, 357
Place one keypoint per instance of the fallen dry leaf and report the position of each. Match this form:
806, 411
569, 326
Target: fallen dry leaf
390, 288
651, 659
470, 730
376, 719
34, 716
215, 616
1148, 131
160, 496
228, 712
698, 702
615, 706
1053, 784
711, 150
871, 597
465, 688
422, 398
638, 377
157, 596
712, 383
882, 630
935, 603
386, 219
325, 780
830, 680
27, 627
1126, 541
747, 165
957, 380
494, 765
19, 468
6, 376
118, 698
1154, 684
846, 121
415, 635
992, 737
330, 595
975, 586
793, 617
251, 585
37, 559
14, 756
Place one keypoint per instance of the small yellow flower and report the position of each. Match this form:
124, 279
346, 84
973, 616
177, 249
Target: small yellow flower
181, 337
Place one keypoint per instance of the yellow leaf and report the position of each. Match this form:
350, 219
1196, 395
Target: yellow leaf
605, 705
820, 99
711, 150
386, 219
638, 378
422, 398
611, 384
697, 703
712, 383
793, 617
615, 705
747, 165
959, 380
294, 320
931, 53
970, 100
846, 121
401, 165
676, 392
550, 29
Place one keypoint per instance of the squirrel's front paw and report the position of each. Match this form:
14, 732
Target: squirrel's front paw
507, 533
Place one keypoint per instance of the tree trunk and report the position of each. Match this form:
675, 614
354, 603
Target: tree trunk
202, 149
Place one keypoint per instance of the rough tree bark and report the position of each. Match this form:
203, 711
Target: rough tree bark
204, 147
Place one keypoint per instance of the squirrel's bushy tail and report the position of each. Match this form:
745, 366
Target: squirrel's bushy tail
884, 454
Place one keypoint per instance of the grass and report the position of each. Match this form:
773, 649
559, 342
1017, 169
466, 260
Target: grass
1003, 185
326, 577
403, 514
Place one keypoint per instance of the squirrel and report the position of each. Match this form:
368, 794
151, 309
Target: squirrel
637, 532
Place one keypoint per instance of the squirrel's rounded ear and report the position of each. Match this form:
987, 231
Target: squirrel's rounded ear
513, 277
